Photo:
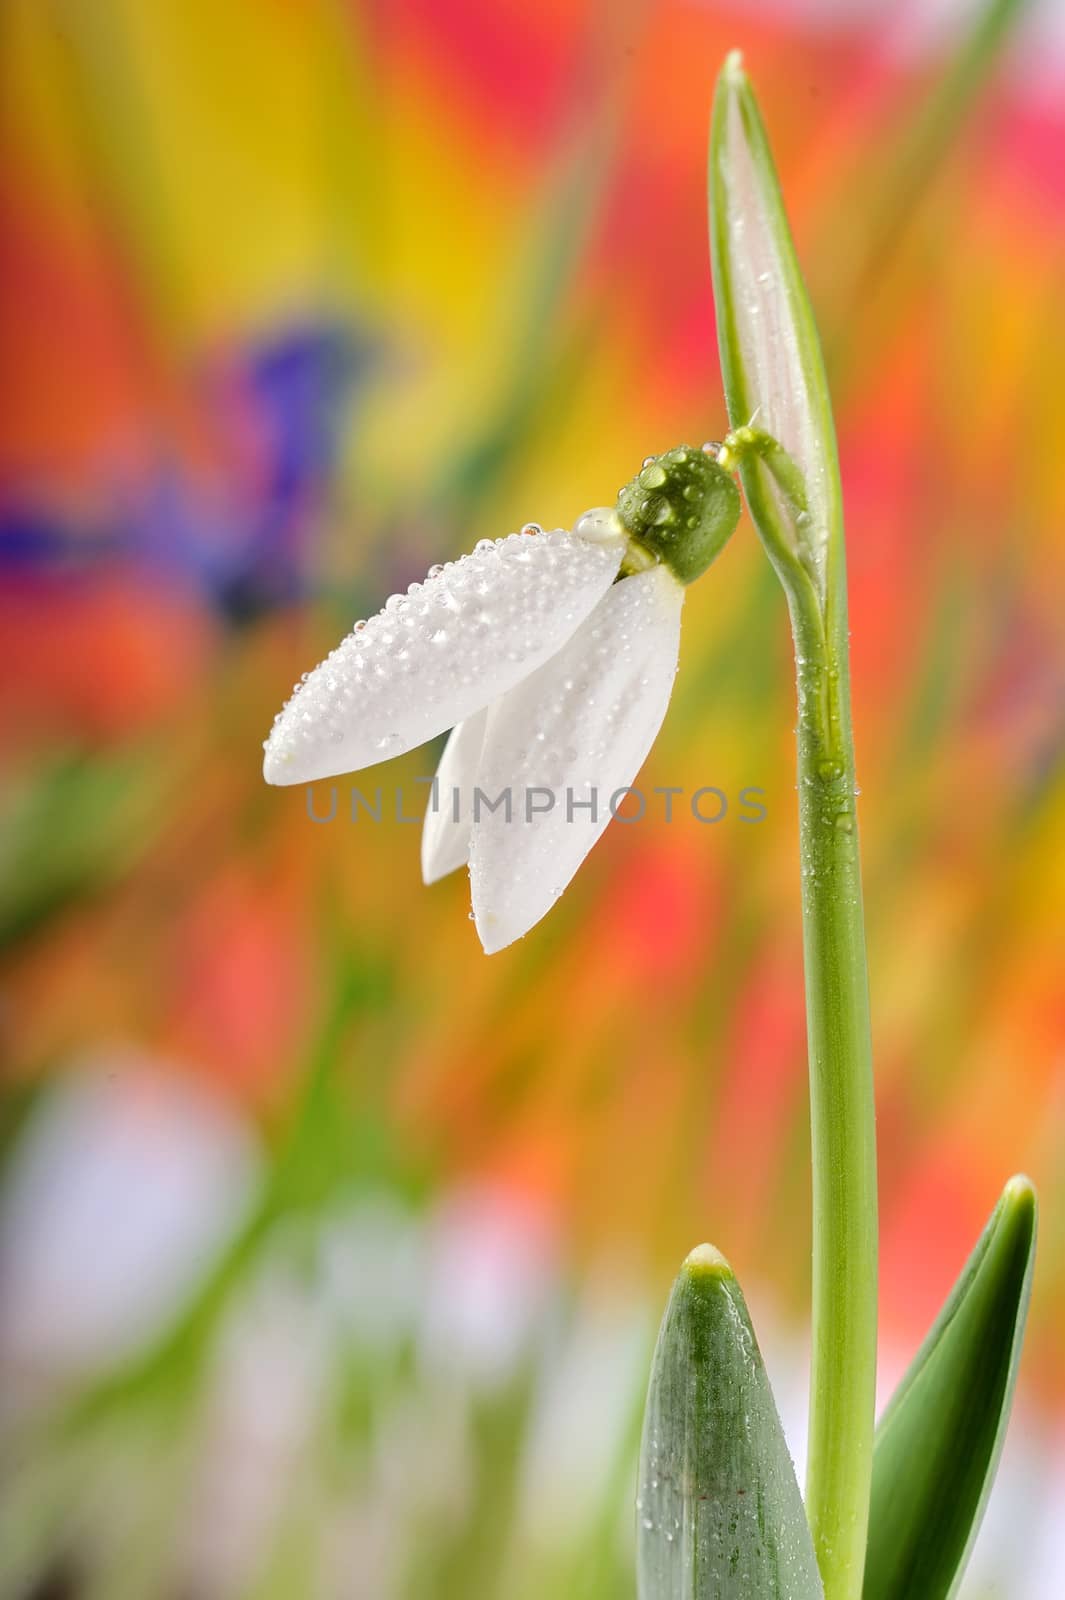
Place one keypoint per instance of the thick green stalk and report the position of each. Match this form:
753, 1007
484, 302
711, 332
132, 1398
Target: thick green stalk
842, 1116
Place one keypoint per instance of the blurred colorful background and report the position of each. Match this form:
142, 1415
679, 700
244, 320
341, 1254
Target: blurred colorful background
331, 1252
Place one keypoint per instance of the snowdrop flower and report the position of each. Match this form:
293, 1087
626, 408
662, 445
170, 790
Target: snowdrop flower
551, 655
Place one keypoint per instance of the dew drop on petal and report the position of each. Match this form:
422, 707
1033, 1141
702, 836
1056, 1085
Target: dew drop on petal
599, 526
438, 652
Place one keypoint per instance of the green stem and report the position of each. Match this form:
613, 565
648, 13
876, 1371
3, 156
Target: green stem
842, 1120
842, 1115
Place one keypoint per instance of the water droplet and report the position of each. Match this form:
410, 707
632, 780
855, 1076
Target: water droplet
599, 526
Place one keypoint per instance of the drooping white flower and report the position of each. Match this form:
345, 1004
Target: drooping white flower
551, 656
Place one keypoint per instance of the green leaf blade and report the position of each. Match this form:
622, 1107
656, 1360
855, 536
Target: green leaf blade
719, 1514
939, 1441
771, 361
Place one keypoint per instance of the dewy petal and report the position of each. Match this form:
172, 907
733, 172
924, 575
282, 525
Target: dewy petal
445, 835
437, 654
578, 728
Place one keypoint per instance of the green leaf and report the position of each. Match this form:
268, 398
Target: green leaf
771, 359
939, 1440
718, 1514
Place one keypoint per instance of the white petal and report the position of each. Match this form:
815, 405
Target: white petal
439, 653
579, 727
445, 836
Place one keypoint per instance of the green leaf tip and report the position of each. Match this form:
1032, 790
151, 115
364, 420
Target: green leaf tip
734, 69
939, 1441
718, 1512
1020, 1194
706, 1259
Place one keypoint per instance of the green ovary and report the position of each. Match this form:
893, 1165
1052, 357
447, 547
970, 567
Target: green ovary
681, 509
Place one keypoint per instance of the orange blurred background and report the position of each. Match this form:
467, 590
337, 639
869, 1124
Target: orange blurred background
294, 301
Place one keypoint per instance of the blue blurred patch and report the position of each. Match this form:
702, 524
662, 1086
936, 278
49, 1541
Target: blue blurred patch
246, 540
